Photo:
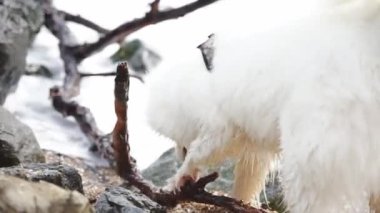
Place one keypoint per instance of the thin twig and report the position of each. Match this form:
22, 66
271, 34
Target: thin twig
97, 74
154, 8
83, 21
83, 75
85, 50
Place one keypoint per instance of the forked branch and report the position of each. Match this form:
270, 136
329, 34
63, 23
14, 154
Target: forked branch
73, 53
152, 17
126, 166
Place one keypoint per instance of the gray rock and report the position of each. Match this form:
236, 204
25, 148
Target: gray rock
20, 21
166, 166
8, 155
162, 169
20, 137
122, 200
17, 195
60, 175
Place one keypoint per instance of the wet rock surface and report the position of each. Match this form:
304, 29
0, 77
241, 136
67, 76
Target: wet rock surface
60, 175
8, 155
17, 141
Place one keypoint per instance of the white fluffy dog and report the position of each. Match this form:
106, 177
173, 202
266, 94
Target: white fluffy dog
179, 106
309, 92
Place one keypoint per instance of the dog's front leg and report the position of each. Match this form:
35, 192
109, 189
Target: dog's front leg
203, 151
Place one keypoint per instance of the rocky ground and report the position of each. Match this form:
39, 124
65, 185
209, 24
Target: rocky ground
96, 179
46, 181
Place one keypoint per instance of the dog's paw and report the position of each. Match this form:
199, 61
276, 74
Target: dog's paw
176, 183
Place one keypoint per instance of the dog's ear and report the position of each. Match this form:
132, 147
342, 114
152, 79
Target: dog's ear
208, 49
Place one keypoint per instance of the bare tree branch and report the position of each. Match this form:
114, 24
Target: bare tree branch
110, 74
56, 24
72, 53
85, 22
126, 166
83, 51
86, 122
154, 8
120, 135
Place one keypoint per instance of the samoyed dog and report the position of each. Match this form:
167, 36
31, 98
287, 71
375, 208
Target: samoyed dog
307, 92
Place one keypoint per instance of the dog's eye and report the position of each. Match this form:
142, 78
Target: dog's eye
184, 152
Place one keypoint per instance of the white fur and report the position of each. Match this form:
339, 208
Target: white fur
176, 105
179, 105
310, 91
